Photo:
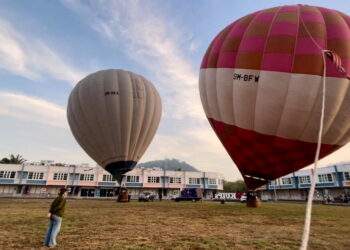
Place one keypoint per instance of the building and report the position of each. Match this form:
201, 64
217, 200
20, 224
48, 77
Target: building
333, 183
169, 183
44, 179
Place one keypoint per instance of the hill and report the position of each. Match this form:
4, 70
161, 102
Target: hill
168, 164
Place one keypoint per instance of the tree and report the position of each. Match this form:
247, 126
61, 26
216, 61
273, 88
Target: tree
18, 159
234, 187
59, 164
5, 160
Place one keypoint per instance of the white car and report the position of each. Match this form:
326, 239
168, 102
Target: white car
146, 197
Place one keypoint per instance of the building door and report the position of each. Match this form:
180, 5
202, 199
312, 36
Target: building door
106, 193
87, 192
19, 189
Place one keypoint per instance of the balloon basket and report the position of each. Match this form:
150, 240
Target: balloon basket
123, 195
253, 202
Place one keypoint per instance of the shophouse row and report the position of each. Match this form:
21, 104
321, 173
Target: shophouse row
333, 184
44, 180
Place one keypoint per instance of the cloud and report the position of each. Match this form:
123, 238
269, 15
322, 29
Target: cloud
193, 46
32, 58
147, 36
150, 38
196, 145
32, 109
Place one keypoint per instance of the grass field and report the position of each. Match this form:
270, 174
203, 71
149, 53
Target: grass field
91, 224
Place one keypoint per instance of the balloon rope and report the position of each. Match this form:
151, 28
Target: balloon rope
310, 36
307, 222
336, 59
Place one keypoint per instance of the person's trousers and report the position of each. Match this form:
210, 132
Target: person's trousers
52, 231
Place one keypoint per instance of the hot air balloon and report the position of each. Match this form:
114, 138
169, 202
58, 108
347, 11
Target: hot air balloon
114, 115
261, 88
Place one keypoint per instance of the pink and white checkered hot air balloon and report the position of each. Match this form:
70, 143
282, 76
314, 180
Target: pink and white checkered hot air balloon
261, 88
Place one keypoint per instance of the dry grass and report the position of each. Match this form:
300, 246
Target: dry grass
91, 224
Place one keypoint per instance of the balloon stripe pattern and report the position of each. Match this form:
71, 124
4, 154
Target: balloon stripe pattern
260, 86
114, 115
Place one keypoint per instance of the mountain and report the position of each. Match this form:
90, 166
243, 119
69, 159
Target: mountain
168, 164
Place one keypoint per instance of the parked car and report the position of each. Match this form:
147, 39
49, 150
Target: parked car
146, 196
243, 198
188, 194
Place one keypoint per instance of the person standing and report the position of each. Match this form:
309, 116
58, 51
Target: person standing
56, 213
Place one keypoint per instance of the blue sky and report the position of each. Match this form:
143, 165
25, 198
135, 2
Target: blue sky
46, 47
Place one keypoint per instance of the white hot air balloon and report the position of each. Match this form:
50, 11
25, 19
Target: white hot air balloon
114, 115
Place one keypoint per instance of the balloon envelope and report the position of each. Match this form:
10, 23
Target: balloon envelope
114, 114
260, 85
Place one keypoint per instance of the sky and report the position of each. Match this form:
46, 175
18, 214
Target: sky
46, 47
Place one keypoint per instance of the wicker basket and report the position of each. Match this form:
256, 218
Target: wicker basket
253, 202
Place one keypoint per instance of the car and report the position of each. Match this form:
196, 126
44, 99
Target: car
146, 196
193, 199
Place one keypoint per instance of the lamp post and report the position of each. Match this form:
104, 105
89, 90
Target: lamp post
68, 167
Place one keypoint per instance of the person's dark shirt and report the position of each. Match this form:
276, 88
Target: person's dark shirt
58, 205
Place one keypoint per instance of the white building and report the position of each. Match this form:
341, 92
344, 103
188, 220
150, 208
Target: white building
333, 183
83, 181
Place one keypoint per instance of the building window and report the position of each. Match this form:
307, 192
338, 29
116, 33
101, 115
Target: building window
7, 174
347, 176
106, 193
60, 176
86, 177
87, 192
195, 181
212, 181
133, 178
175, 180
325, 178
286, 181
35, 175
304, 179
108, 178
153, 179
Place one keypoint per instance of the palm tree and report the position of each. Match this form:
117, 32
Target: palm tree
5, 160
18, 159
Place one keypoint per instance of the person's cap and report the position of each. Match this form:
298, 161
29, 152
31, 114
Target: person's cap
63, 190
